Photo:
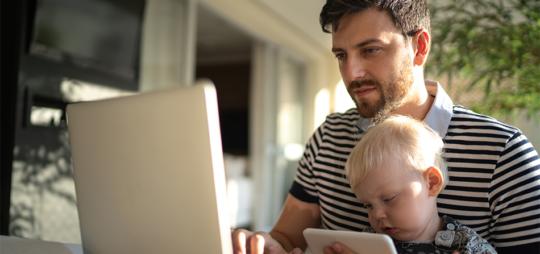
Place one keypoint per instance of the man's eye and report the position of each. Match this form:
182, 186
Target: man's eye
370, 51
340, 55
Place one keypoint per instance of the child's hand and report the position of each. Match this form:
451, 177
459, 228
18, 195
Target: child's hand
296, 251
338, 248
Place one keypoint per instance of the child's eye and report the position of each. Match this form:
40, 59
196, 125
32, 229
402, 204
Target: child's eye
368, 206
389, 199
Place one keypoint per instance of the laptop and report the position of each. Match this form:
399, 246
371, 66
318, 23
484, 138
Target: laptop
149, 173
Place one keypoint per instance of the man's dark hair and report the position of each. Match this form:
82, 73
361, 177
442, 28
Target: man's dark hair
409, 15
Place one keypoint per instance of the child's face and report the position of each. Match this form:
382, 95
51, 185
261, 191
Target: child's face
400, 204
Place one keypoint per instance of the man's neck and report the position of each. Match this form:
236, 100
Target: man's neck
418, 102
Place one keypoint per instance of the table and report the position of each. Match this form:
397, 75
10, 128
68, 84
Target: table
16, 245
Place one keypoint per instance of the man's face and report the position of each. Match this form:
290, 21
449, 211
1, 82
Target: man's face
398, 204
374, 62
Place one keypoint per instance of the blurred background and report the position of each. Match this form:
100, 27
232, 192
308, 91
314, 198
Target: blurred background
274, 72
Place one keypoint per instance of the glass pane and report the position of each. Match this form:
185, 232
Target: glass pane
289, 128
43, 201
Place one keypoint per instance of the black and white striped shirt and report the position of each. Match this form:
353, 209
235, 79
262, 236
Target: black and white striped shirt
494, 171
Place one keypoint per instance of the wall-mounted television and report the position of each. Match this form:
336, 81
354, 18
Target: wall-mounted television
102, 35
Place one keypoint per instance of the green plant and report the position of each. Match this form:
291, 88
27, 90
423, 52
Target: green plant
490, 44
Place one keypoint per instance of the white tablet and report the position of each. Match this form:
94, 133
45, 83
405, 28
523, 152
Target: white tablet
361, 243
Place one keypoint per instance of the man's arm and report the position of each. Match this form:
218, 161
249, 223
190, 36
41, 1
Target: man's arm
286, 235
515, 198
294, 218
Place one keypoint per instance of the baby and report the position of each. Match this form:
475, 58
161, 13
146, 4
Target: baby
396, 172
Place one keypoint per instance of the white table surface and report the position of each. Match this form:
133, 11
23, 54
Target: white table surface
16, 245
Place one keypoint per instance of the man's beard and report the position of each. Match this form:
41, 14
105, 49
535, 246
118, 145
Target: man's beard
390, 98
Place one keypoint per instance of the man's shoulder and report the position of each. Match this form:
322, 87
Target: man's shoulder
467, 120
339, 128
341, 120
351, 115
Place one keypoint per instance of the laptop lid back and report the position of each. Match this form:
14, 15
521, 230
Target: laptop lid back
149, 173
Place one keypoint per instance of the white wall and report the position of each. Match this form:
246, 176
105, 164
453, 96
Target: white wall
304, 15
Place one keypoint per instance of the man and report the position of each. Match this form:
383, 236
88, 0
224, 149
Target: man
381, 48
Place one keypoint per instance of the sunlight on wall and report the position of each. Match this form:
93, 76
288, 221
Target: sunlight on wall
322, 106
76, 90
239, 189
43, 116
293, 152
342, 99
232, 200
289, 131
288, 125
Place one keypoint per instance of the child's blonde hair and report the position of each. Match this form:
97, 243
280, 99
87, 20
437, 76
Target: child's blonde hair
406, 142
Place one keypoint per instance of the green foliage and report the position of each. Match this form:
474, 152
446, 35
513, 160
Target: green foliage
492, 44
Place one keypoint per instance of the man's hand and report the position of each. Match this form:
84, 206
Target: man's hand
247, 242
286, 234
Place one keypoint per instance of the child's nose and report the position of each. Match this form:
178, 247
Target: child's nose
379, 213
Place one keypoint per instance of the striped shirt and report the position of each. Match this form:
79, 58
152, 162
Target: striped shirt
494, 185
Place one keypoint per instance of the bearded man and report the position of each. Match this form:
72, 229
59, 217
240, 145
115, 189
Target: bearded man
381, 47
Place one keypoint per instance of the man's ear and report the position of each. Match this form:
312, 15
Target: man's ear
420, 43
434, 180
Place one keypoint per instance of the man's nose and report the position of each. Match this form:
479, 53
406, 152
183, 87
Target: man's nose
353, 69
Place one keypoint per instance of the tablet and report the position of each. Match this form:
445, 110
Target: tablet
361, 243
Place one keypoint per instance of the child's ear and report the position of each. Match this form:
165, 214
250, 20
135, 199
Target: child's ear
434, 180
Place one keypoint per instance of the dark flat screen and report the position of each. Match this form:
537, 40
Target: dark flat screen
97, 34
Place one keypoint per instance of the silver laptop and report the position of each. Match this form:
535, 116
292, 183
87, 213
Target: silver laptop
149, 173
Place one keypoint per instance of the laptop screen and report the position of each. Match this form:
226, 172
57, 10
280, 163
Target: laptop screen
149, 173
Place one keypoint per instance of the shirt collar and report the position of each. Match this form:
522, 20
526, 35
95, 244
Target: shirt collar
438, 117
